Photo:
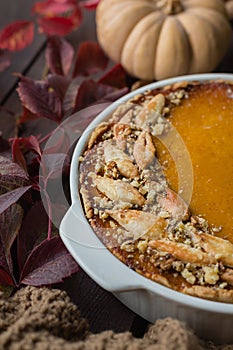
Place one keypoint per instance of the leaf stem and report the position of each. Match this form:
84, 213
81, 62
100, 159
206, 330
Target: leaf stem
49, 212
46, 137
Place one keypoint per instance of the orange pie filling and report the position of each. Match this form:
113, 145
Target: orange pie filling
156, 182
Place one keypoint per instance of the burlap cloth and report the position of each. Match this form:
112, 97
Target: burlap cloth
46, 319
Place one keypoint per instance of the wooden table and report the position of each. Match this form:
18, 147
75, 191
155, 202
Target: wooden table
101, 308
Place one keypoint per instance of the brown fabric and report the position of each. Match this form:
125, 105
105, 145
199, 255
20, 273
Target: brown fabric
46, 319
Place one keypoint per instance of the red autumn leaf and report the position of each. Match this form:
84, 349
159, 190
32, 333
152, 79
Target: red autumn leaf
40, 99
90, 4
54, 164
55, 26
18, 155
59, 83
5, 280
116, 77
90, 59
22, 145
70, 96
4, 144
84, 117
5, 60
48, 263
26, 144
59, 143
8, 231
11, 197
9, 168
60, 25
57, 17
91, 92
3, 260
114, 95
33, 231
25, 116
12, 175
56, 82
59, 55
51, 8
67, 134
16, 36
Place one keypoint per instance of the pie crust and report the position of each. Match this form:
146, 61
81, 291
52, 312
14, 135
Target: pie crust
168, 221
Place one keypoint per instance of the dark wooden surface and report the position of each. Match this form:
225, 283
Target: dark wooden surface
101, 308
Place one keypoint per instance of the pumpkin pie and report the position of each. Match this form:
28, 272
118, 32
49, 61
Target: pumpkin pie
156, 182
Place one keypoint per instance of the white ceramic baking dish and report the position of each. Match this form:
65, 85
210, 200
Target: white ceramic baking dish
210, 320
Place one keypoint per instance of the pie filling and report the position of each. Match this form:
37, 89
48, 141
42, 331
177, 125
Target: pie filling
156, 182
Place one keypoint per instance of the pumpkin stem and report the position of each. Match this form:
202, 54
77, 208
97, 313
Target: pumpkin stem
170, 7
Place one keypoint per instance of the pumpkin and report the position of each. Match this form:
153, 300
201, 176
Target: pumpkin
229, 7
157, 39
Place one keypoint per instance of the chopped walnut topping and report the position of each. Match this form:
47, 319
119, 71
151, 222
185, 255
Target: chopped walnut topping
128, 247
177, 96
188, 275
211, 274
142, 246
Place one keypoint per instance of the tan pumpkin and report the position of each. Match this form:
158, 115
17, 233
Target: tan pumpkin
229, 7
156, 39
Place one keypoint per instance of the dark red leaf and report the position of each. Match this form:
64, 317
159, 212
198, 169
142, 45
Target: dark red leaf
90, 4
48, 263
114, 95
16, 36
91, 92
33, 231
54, 164
90, 59
70, 96
5, 60
3, 261
9, 198
81, 119
116, 77
58, 143
51, 8
58, 17
18, 156
59, 55
23, 145
59, 84
29, 143
9, 168
56, 194
10, 222
5, 280
88, 93
55, 26
4, 144
40, 98
11, 175
59, 25
67, 134
26, 116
